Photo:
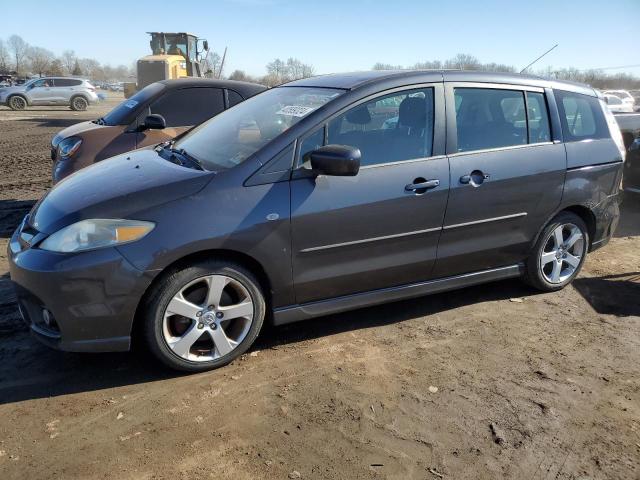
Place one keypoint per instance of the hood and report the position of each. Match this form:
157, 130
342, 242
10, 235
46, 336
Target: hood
75, 130
116, 188
13, 89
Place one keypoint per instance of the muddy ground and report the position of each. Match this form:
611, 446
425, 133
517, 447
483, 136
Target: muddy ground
529, 386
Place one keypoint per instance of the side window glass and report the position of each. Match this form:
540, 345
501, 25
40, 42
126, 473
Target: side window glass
581, 116
539, 130
234, 98
387, 129
489, 118
189, 106
309, 144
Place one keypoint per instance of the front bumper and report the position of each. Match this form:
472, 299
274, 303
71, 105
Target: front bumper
91, 297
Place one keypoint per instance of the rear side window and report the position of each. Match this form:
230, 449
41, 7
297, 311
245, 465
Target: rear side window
189, 106
538, 113
489, 118
581, 117
67, 82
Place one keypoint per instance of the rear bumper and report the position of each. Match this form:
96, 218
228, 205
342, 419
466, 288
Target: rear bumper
91, 297
607, 215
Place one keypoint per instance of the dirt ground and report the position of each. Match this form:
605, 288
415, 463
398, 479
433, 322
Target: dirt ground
490, 382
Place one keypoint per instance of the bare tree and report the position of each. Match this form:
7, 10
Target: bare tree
55, 69
68, 60
18, 48
89, 66
240, 75
5, 58
40, 59
463, 61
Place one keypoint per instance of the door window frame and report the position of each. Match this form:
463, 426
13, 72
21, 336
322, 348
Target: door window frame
439, 124
452, 124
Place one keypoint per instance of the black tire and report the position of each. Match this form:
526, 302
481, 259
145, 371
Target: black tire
17, 102
538, 276
173, 283
79, 104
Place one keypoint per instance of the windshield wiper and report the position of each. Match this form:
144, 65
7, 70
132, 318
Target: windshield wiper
179, 156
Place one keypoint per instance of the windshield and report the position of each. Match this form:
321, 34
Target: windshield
231, 137
124, 113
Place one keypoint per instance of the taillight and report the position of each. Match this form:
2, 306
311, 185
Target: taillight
614, 129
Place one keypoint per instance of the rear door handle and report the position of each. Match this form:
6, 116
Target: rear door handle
424, 185
475, 178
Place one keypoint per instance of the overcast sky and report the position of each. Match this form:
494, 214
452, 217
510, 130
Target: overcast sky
342, 35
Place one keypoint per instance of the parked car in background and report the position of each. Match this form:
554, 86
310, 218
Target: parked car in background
617, 105
155, 114
624, 95
299, 203
75, 92
630, 128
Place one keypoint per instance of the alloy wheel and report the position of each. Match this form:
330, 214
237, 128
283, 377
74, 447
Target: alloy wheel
562, 253
18, 103
208, 318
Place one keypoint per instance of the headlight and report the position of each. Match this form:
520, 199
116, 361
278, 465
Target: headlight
96, 233
68, 147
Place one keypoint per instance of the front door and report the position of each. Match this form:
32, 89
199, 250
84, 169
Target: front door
42, 92
381, 227
507, 176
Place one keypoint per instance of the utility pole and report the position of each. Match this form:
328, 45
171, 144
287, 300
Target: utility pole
224, 55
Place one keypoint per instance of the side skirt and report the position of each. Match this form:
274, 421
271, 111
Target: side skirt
310, 310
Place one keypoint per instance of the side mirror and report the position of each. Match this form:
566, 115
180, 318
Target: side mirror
336, 160
606, 100
205, 45
154, 122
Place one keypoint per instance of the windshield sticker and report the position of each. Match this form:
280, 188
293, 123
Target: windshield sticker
295, 110
131, 103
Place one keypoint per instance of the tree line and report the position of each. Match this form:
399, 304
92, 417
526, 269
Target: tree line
17, 56
597, 78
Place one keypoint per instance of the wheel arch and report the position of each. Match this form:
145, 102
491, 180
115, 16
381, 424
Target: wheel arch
585, 213
18, 94
233, 256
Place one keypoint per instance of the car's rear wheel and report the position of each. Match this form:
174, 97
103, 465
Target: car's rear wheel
559, 253
204, 316
79, 104
17, 102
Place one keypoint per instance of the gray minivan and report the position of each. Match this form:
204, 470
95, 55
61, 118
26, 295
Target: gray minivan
320, 196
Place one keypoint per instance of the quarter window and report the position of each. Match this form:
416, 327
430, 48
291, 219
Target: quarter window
489, 118
581, 116
391, 128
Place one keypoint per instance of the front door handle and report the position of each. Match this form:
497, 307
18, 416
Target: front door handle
421, 185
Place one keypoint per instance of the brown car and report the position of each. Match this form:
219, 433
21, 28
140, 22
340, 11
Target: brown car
159, 112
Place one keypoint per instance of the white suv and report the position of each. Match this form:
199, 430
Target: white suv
75, 92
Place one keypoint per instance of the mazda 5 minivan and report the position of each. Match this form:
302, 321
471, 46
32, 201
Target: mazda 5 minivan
320, 196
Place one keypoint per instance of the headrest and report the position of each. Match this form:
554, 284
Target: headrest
413, 112
359, 116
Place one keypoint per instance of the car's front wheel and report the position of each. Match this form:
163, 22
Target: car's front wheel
204, 316
559, 253
17, 102
79, 104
